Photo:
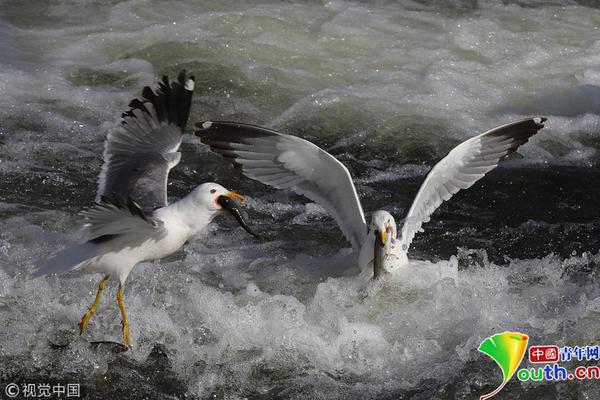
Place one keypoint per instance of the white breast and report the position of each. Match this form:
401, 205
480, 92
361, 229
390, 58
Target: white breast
120, 255
393, 261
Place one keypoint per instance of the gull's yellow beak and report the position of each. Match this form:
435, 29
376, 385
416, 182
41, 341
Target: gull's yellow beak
234, 195
382, 236
230, 195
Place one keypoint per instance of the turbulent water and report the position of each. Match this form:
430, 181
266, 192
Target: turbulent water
388, 88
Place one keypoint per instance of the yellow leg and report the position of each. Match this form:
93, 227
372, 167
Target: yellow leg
92, 310
126, 338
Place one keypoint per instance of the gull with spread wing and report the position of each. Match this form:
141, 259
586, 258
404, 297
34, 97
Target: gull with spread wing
285, 161
131, 221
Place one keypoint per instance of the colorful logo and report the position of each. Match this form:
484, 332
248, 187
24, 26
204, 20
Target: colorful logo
543, 354
507, 349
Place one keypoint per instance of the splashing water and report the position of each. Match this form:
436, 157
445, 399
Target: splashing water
388, 88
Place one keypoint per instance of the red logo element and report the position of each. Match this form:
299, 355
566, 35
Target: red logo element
543, 354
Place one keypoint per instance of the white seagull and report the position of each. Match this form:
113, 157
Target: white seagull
131, 221
285, 161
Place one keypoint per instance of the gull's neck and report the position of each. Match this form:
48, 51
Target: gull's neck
186, 215
395, 259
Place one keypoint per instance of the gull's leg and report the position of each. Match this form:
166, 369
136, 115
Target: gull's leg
126, 338
92, 310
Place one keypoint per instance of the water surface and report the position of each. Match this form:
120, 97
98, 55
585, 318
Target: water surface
388, 88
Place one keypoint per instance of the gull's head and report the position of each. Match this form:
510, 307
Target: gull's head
383, 227
216, 198
210, 195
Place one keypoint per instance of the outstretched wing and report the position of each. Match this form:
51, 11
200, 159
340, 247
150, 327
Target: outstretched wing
462, 167
285, 161
140, 152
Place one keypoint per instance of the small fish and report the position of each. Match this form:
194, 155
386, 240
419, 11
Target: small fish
229, 204
382, 249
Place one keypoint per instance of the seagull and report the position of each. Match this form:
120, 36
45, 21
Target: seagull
131, 220
289, 162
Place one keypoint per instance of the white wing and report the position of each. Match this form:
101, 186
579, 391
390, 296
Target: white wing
285, 161
462, 167
140, 152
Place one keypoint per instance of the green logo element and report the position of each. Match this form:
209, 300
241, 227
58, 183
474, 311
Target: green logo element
507, 349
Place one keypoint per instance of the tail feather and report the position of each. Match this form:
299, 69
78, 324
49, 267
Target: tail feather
68, 259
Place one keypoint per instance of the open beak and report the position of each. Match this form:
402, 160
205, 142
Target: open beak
227, 202
234, 195
379, 254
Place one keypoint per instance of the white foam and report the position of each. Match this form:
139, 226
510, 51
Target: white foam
424, 324
233, 313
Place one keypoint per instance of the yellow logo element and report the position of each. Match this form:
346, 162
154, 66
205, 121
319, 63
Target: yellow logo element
507, 349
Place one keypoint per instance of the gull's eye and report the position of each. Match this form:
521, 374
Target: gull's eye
213, 191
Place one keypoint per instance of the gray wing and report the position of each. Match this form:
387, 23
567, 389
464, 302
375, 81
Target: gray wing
114, 216
462, 167
140, 152
103, 222
285, 161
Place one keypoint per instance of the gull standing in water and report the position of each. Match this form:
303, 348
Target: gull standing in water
131, 221
285, 161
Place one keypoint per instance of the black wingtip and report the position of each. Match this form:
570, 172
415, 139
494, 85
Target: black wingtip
234, 130
172, 100
539, 122
204, 125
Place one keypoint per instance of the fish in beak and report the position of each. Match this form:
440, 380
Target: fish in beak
382, 247
227, 202
379, 255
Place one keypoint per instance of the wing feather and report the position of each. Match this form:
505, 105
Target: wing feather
462, 167
140, 152
115, 216
285, 161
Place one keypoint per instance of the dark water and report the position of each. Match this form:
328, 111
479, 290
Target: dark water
387, 88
